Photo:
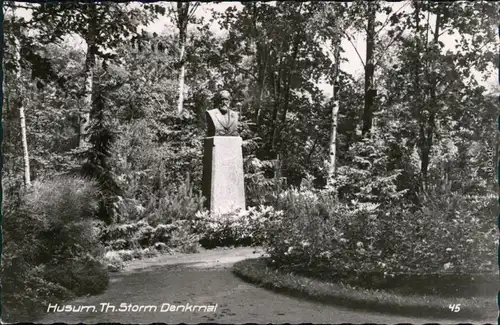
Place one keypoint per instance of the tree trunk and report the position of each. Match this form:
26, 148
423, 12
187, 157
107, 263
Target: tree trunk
419, 98
263, 62
20, 104
182, 73
369, 72
333, 143
286, 94
429, 123
260, 67
88, 87
22, 117
332, 148
26, 157
183, 15
277, 83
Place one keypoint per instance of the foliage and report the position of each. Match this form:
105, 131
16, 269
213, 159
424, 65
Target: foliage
155, 147
138, 236
97, 166
367, 177
181, 204
261, 181
241, 229
337, 241
50, 252
428, 154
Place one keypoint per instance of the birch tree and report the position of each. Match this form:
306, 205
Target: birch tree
19, 102
331, 28
332, 152
183, 14
22, 121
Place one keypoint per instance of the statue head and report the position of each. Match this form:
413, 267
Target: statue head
222, 100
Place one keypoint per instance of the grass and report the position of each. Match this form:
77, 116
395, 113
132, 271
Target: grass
259, 272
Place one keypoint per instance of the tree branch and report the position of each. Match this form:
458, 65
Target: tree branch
193, 9
388, 46
444, 31
350, 41
387, 19
11, 4
248, 72
468, 66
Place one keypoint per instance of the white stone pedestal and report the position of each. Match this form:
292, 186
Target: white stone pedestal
223, 178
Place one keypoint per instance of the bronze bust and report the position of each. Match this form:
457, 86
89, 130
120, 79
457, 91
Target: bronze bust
222, 121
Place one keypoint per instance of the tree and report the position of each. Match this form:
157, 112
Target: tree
22, 117
369, 68
182, 16
368, 13
335, 109
463, 18
102, 26
97, 165
18, 97
330, 24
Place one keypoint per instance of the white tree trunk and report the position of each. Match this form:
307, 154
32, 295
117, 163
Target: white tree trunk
333, 143
26, 157
184, 13
335, 109
22, 117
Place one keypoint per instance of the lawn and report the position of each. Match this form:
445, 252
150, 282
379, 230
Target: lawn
259, 271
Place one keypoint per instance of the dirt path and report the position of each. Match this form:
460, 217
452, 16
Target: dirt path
205, 279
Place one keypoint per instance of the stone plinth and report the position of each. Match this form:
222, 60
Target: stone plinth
223, 185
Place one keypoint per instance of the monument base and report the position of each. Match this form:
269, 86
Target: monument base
223, 178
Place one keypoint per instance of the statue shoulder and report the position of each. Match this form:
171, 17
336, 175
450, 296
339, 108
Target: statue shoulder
211, 112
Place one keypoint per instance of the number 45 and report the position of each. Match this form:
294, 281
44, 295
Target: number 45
454, 308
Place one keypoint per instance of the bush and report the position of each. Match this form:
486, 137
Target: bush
183, 238
63, 209
144, 160
114, 262
456, 234
129, 209
149, 252
245, 228
179, 204
359, 242
261, 185
367, 177
51, 248
141, 235
80, 276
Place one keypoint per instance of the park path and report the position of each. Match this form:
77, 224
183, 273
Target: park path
203, 279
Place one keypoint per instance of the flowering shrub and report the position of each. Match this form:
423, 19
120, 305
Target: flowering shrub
141, 235
462, 239
357, 240
247, 227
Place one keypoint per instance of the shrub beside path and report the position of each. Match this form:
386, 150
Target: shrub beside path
206, 278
